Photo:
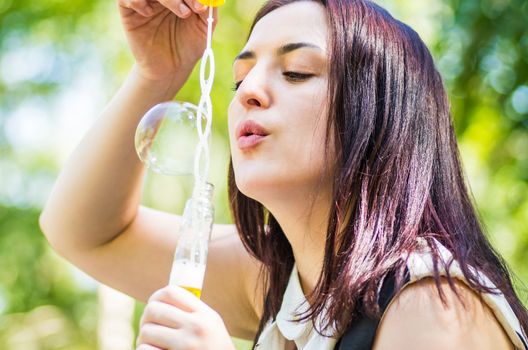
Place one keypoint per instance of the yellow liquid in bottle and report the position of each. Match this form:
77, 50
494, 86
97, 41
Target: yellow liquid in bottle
213, 3
188, 275
195, 291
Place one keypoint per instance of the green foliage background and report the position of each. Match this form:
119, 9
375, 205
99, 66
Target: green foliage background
60, 62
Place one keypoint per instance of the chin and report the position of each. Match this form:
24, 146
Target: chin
257, 183
251, 185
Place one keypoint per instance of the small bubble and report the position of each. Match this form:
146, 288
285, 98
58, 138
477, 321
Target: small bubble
519, 99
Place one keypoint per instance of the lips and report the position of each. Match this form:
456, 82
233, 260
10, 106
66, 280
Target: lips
249, 134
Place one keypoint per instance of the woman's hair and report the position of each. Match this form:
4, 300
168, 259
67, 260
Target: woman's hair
398, 176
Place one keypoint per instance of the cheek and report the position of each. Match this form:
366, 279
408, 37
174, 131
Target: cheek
231, 121
308, 128
311, 138
302, 151
311, 151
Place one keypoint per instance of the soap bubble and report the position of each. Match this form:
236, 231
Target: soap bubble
166, 138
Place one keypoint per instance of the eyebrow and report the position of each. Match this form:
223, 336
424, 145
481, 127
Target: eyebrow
245, 55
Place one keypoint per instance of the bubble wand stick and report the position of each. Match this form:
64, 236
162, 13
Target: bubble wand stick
188, 267
190, 257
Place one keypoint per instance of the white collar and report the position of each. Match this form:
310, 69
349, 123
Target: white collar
293, 302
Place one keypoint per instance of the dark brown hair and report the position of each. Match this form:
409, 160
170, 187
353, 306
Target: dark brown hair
398, 175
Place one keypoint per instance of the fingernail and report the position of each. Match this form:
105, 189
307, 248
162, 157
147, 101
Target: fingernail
199, 7
184, 10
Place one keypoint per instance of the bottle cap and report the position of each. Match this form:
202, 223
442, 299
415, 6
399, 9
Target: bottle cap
212, 3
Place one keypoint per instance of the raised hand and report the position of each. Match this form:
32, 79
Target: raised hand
164, 35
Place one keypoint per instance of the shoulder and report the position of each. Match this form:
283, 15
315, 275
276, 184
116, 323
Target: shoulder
417, 319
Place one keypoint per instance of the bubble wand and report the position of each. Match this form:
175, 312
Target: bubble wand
190, 257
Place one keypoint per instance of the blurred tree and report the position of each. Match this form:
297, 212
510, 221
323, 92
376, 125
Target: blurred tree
60, 61
59, 64
482, 53
42, 307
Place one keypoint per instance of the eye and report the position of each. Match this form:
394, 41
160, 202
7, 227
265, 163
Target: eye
295, 76
292, 76
236, 85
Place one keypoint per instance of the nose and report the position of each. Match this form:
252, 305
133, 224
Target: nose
254, 92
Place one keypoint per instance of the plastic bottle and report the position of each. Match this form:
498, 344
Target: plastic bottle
190, 257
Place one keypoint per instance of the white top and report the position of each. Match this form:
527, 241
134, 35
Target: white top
420, 265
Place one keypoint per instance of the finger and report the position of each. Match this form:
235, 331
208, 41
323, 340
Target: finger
178, 7
179, 297
140, 6
195, 6
124, 7
165, 315
162, 337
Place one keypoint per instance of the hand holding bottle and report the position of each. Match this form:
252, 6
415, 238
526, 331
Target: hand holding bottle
164, 35
174, 319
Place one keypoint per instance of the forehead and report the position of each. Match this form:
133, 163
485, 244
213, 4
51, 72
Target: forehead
302, 21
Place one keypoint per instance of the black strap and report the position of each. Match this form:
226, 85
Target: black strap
360, 334
523, 341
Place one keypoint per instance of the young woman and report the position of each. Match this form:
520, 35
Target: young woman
354, 228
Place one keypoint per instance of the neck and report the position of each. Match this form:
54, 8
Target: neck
305, 228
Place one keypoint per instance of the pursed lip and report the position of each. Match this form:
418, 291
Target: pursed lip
249, 133
250, 127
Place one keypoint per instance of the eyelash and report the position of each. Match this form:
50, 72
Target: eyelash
294, 76
236, 85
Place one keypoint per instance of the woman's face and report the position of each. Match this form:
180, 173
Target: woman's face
283, 75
